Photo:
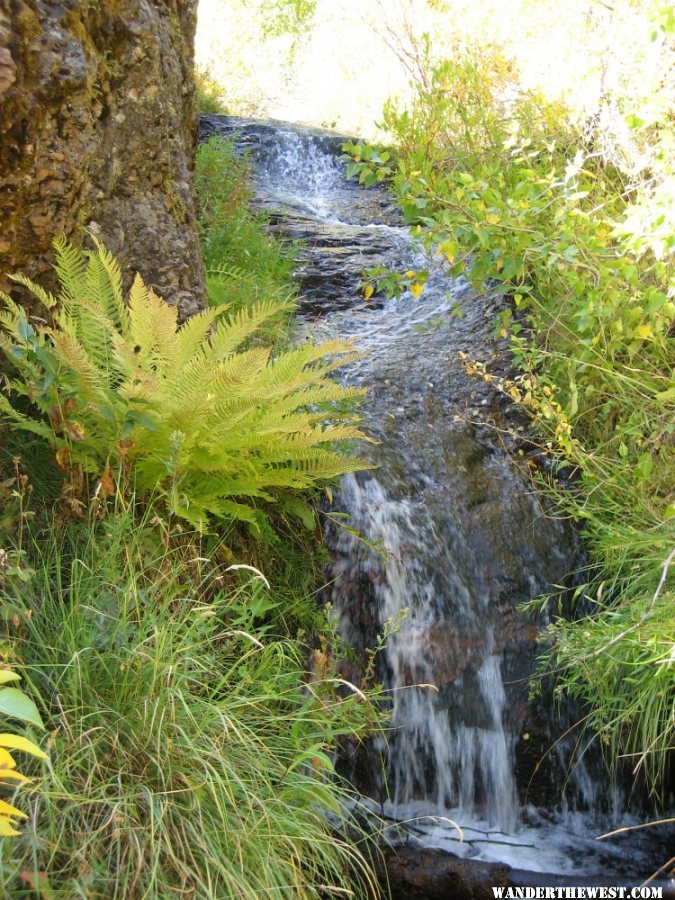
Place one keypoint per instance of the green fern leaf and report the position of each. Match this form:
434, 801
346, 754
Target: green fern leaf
71, 268
47, 299
104, 281
22, 422
230, 333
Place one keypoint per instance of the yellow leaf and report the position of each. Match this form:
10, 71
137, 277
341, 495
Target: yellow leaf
645, 332
6, 829
368, 292
7, 675
416, 289
74, 430
449, 250
63, 458
7, 810
6, 759
14, 775
16, 742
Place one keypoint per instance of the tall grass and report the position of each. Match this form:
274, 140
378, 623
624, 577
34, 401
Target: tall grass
189, 756
243, 263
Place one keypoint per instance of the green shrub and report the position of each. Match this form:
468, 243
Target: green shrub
125, 397
191, 752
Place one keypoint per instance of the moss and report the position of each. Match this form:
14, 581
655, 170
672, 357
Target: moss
174, 201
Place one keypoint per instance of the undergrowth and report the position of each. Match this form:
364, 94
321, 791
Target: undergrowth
190, 749
187, 680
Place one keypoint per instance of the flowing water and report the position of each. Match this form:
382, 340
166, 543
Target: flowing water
454, 539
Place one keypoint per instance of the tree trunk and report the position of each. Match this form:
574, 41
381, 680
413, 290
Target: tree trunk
97, 132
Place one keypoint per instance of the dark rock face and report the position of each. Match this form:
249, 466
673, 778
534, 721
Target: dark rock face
97, 132
409, 873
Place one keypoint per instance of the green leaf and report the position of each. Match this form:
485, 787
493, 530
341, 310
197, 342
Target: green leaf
17, 705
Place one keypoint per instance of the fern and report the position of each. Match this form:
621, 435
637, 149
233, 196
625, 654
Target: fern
193, 414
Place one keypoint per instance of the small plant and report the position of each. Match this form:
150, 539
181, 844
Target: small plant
15, 704
208, 94
195, 415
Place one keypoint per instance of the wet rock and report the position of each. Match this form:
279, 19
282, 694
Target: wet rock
97, 131
411, 873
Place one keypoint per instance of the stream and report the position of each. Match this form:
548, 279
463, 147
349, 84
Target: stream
456, 540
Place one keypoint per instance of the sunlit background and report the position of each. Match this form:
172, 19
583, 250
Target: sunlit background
602, 57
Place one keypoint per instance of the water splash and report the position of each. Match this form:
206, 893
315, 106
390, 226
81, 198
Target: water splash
466, 763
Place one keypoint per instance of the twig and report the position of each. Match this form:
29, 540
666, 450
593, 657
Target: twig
635, 827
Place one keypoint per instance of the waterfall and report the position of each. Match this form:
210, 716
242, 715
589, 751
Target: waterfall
451, 538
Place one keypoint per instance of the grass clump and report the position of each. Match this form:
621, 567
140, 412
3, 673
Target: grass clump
191, 750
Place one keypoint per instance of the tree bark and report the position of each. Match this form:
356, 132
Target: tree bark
98, 133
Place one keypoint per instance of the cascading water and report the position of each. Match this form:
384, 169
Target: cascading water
455, 536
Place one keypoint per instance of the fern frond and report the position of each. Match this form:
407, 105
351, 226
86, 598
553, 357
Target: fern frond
197, 391
198, 514
295, 365
241, 369
232, 273
75, 357
22, 422
139, 313
9, 317
193, 333
230, 333
47, 299
71, 268
153, 328
104, 280
90, 325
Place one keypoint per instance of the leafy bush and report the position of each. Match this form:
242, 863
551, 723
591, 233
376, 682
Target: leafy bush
501, 183
125, 397
191, 751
